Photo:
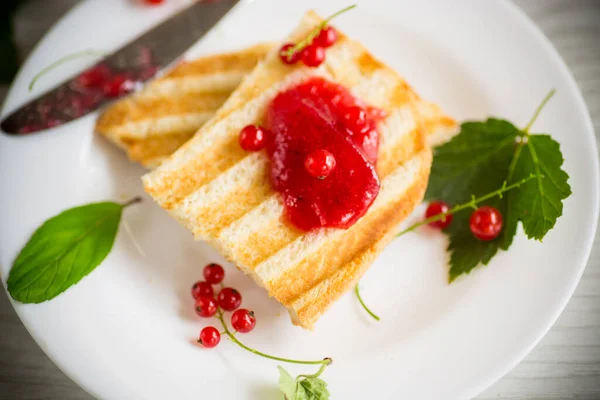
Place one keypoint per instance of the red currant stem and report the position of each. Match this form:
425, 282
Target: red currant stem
362, 303
325, 361
538, 111
60, 61
471, 204
314, 33
131, 202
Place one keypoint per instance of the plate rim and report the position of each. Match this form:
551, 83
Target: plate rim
493, 377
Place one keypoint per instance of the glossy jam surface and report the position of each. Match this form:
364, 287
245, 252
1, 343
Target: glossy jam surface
313, 116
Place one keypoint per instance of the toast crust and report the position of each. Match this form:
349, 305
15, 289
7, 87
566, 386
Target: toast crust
223, 195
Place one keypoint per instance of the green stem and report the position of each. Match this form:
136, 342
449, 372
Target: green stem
317, 374
314, 33
362, 303
325, 362
538, 111
133, 201
471, 204
63, 60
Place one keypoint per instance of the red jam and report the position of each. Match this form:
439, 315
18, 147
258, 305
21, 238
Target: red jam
314, 116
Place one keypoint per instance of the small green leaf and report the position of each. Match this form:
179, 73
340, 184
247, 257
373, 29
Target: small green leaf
314, 389
63, 250
287, 384
304, 387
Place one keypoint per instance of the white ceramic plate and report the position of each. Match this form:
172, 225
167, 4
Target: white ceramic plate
127, 331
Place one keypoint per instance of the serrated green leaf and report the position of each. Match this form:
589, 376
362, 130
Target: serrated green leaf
481, 159
474, 163
538, 203
63, 250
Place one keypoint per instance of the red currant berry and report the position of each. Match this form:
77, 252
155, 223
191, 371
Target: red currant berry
435, 208
288, 59
229, 299
243, 320
214, 273
486, 223
355, 119
118, 86
94, 77
206, 307
313, 55
319, 163
209, 337
252, 138
202, 289
326, 37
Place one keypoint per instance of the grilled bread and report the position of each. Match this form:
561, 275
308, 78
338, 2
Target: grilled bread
224, 196
150, 125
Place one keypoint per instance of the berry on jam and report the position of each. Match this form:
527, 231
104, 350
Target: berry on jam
291, 59
435, 208
310, 117
313, 55
327, 37
486, 223
252, 138
319, 163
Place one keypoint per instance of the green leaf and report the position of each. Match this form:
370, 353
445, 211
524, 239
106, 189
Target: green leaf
482, 158
287, 384
63, 250
304, 387
474, 162
538, 203
314, 389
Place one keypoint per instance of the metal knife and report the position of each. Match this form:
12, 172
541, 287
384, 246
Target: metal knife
121, 72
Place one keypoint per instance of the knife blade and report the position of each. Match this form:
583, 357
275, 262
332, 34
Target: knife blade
121, 72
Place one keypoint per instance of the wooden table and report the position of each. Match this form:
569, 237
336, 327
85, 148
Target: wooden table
565, 365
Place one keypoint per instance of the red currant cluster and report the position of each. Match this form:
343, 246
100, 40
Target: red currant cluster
313, 54
228, 299
485, 223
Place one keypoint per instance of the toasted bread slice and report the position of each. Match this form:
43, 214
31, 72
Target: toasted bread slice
223, 194
152, 124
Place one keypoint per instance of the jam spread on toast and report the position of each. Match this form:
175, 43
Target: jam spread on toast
319, 115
